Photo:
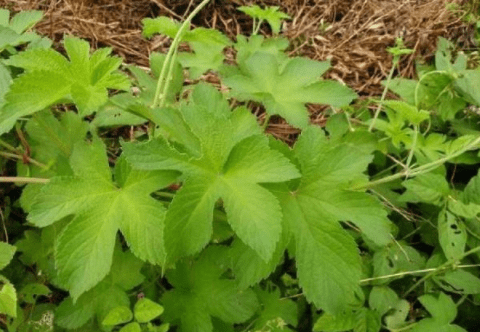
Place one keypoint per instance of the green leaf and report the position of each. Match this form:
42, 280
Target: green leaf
394, 258
405, 88
30, 292
162, 25
8, 298
344, 321
397, 318
232, 163
85, 247
190, 212
460, 209
12, 33
442, 308
382, 299
285, 91
449, 106
248, 267
207, 44
31, 93
327, 257
148, 83
50, 78
132, 327
25, 20
276, 311
429, 188
118, 112
6, 254
472, 190
333, 166
51, 141
118, 315
5, 81
146, 310
469, 86
200, 293
270, 14
407, 111
430, 325
452, 235
38, 247
204, 59
253, 212
110, 293
367, 320
460, 281
257, 43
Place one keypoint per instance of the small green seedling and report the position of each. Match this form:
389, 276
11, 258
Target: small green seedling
144, 312
272, 15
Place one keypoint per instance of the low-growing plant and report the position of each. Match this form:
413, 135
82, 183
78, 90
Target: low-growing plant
368, 224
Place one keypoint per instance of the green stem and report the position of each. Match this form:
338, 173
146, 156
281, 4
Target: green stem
257, 28
441, 268
169, 79
418, 170
7, 146
462, 299
16, 156
20, 179
165, 194
384, 93
412, 149
164, 79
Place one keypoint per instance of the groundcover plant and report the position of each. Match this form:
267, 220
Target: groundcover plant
195, 219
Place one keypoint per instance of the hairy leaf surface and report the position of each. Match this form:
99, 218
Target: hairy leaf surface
101, 208
49, 78
327, 257
285, 88
226, 159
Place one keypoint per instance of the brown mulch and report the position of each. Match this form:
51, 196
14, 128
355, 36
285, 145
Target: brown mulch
352, 34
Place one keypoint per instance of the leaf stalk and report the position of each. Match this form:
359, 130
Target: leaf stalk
165, 77
20, 179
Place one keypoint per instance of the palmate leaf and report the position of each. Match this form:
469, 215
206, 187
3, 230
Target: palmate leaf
328, 261
443, 311
223, 156
271, 14
285, 88
12, 31
199, 293
49, 78
100, 207
207, 44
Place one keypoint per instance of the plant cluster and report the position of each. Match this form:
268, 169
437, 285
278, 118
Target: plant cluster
195, 219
